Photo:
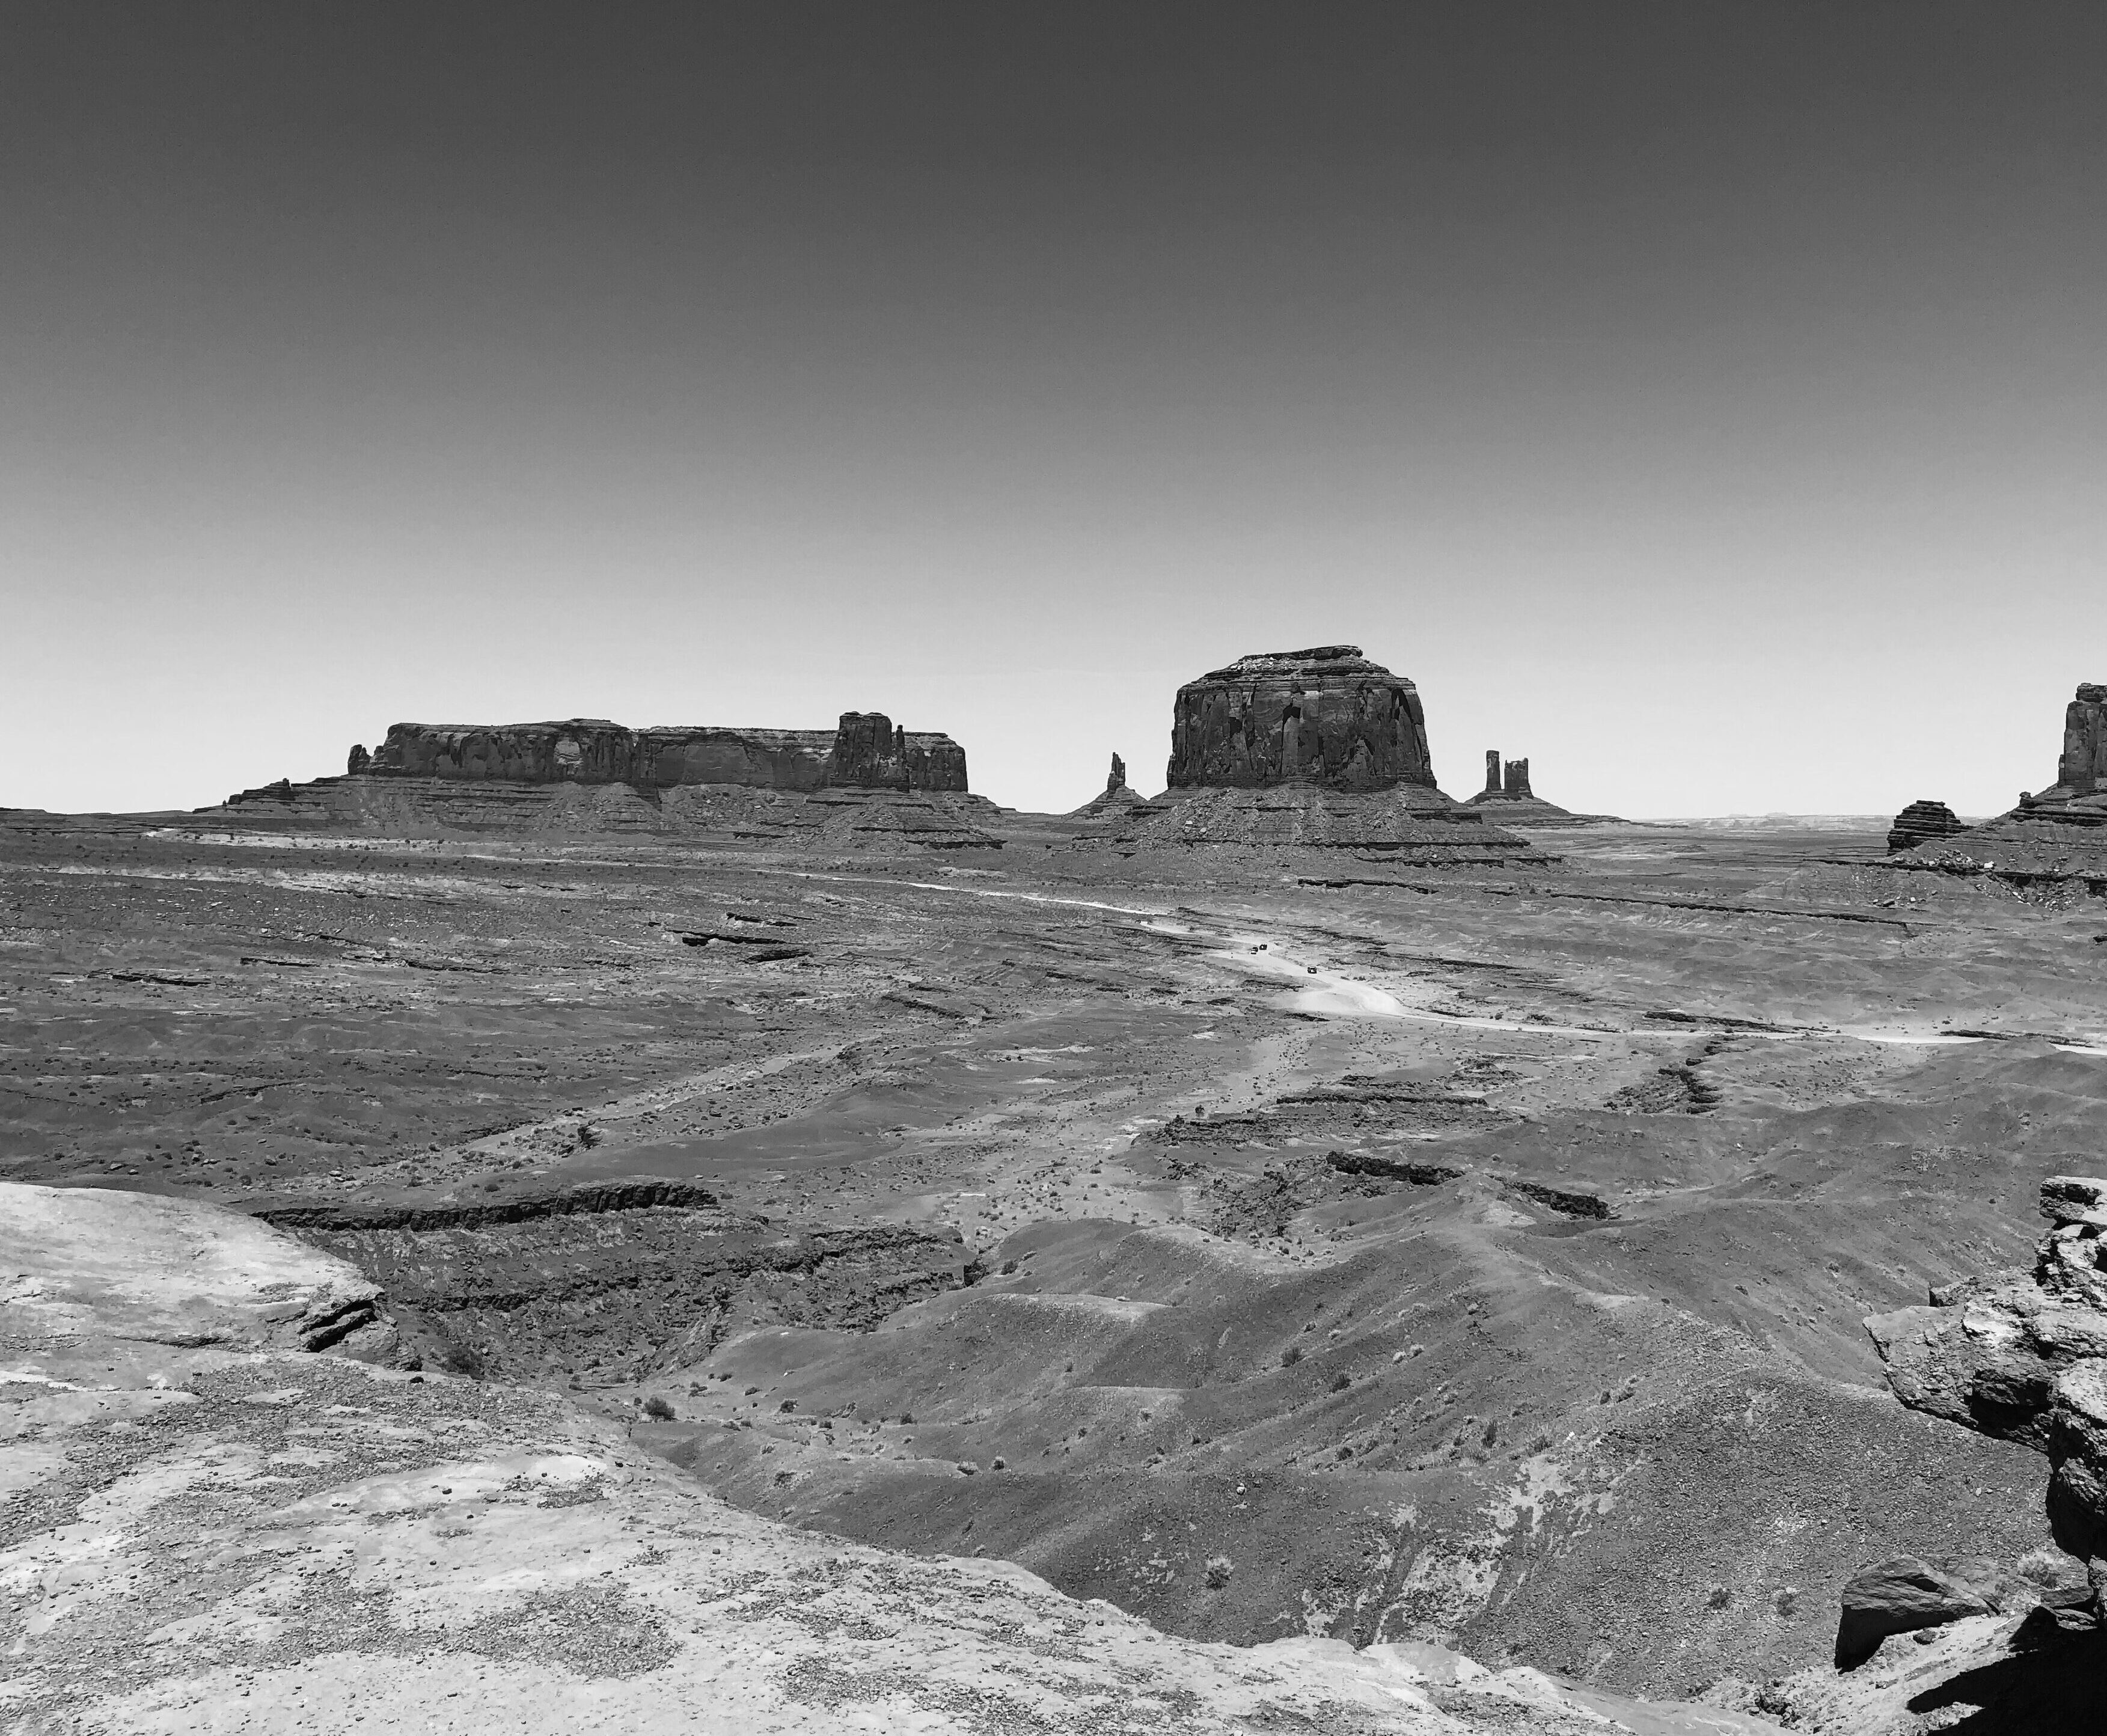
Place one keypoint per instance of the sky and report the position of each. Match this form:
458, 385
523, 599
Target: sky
1706, 401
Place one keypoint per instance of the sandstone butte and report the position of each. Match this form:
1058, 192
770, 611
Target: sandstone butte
2080, 789
1326, 717
866, 751
1507, 789
232, 1508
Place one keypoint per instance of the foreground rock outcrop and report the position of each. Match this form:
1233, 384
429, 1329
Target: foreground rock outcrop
2024, 1358
866, 749
1326, 715
208, 1527
617, 1280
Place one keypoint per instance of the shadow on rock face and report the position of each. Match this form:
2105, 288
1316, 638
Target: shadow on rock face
2061, 1687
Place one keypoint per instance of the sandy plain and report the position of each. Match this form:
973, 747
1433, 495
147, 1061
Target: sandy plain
1272, 1244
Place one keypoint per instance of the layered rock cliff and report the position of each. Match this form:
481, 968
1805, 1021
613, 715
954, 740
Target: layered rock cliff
1326, 715
865, 752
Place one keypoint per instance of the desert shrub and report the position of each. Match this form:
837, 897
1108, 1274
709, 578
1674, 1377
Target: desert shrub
1341, 1381
1718, 1597
657, 1408
1291, 1356
1219, 1567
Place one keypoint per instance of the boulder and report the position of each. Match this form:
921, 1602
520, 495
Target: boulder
1898, 1596
1326, 716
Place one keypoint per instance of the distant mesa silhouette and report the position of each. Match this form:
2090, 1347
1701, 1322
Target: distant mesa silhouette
864, 750
866, 784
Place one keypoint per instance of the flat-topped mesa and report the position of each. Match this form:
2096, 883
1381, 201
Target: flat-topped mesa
593, 750
1326, 717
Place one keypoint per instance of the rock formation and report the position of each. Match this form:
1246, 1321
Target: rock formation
1115, 798
359, 762
1325, 716
865, 752
1902, 1595
869, 752
2024, 1358
1507, 786
2078, 797
1921, 821
2081, 769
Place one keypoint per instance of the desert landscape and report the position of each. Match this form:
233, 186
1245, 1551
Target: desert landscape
565, 1227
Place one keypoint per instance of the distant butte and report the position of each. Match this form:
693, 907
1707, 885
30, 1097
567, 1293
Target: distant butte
1507, 786
1326, 717
1318, 749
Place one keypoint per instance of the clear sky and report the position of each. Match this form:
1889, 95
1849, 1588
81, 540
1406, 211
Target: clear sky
1707, 401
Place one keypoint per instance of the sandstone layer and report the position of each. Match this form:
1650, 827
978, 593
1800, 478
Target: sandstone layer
866, 749
1326, 715
212, 1528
